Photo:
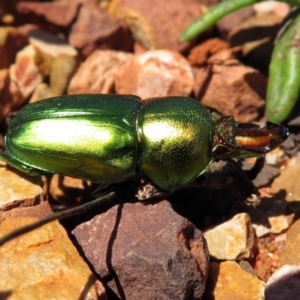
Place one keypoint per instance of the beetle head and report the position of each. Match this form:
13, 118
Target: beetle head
243, 140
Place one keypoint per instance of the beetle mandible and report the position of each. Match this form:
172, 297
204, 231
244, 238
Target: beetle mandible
107, 138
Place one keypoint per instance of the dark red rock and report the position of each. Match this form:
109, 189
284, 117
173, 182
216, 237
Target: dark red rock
95, 28
199, 55
232, 89
156, 24
60, 13
9, 94
11, 41
150, 251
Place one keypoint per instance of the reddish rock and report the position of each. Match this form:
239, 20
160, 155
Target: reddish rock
155, 73
95, 28
97, 73
9, 94
59, 13
233, 90
43, 264
200, 54
269, 251
266, 261
150, 251
263, 266
25, 71
11, 41
158, 24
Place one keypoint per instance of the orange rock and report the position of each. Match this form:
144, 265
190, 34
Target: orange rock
200, 54
263, 266
42, 264
233, 90
18, 189
287, 184
227, 281
290, 254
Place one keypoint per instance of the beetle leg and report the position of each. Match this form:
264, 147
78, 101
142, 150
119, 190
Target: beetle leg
257, 167
148, 191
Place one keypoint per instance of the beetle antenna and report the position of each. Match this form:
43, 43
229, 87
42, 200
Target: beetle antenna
58, 216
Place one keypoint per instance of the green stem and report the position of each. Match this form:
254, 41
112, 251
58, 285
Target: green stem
214, 14
217, 12
284, 80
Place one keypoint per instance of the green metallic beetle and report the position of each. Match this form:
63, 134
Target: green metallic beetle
108, 138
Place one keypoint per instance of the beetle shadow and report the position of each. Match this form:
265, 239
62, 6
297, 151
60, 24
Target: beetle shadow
5, 294
111, 281
112, 275
109, 264
225, 192
268, 208
32, 179
85, 291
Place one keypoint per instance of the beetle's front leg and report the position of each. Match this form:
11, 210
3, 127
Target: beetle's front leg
147, 191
